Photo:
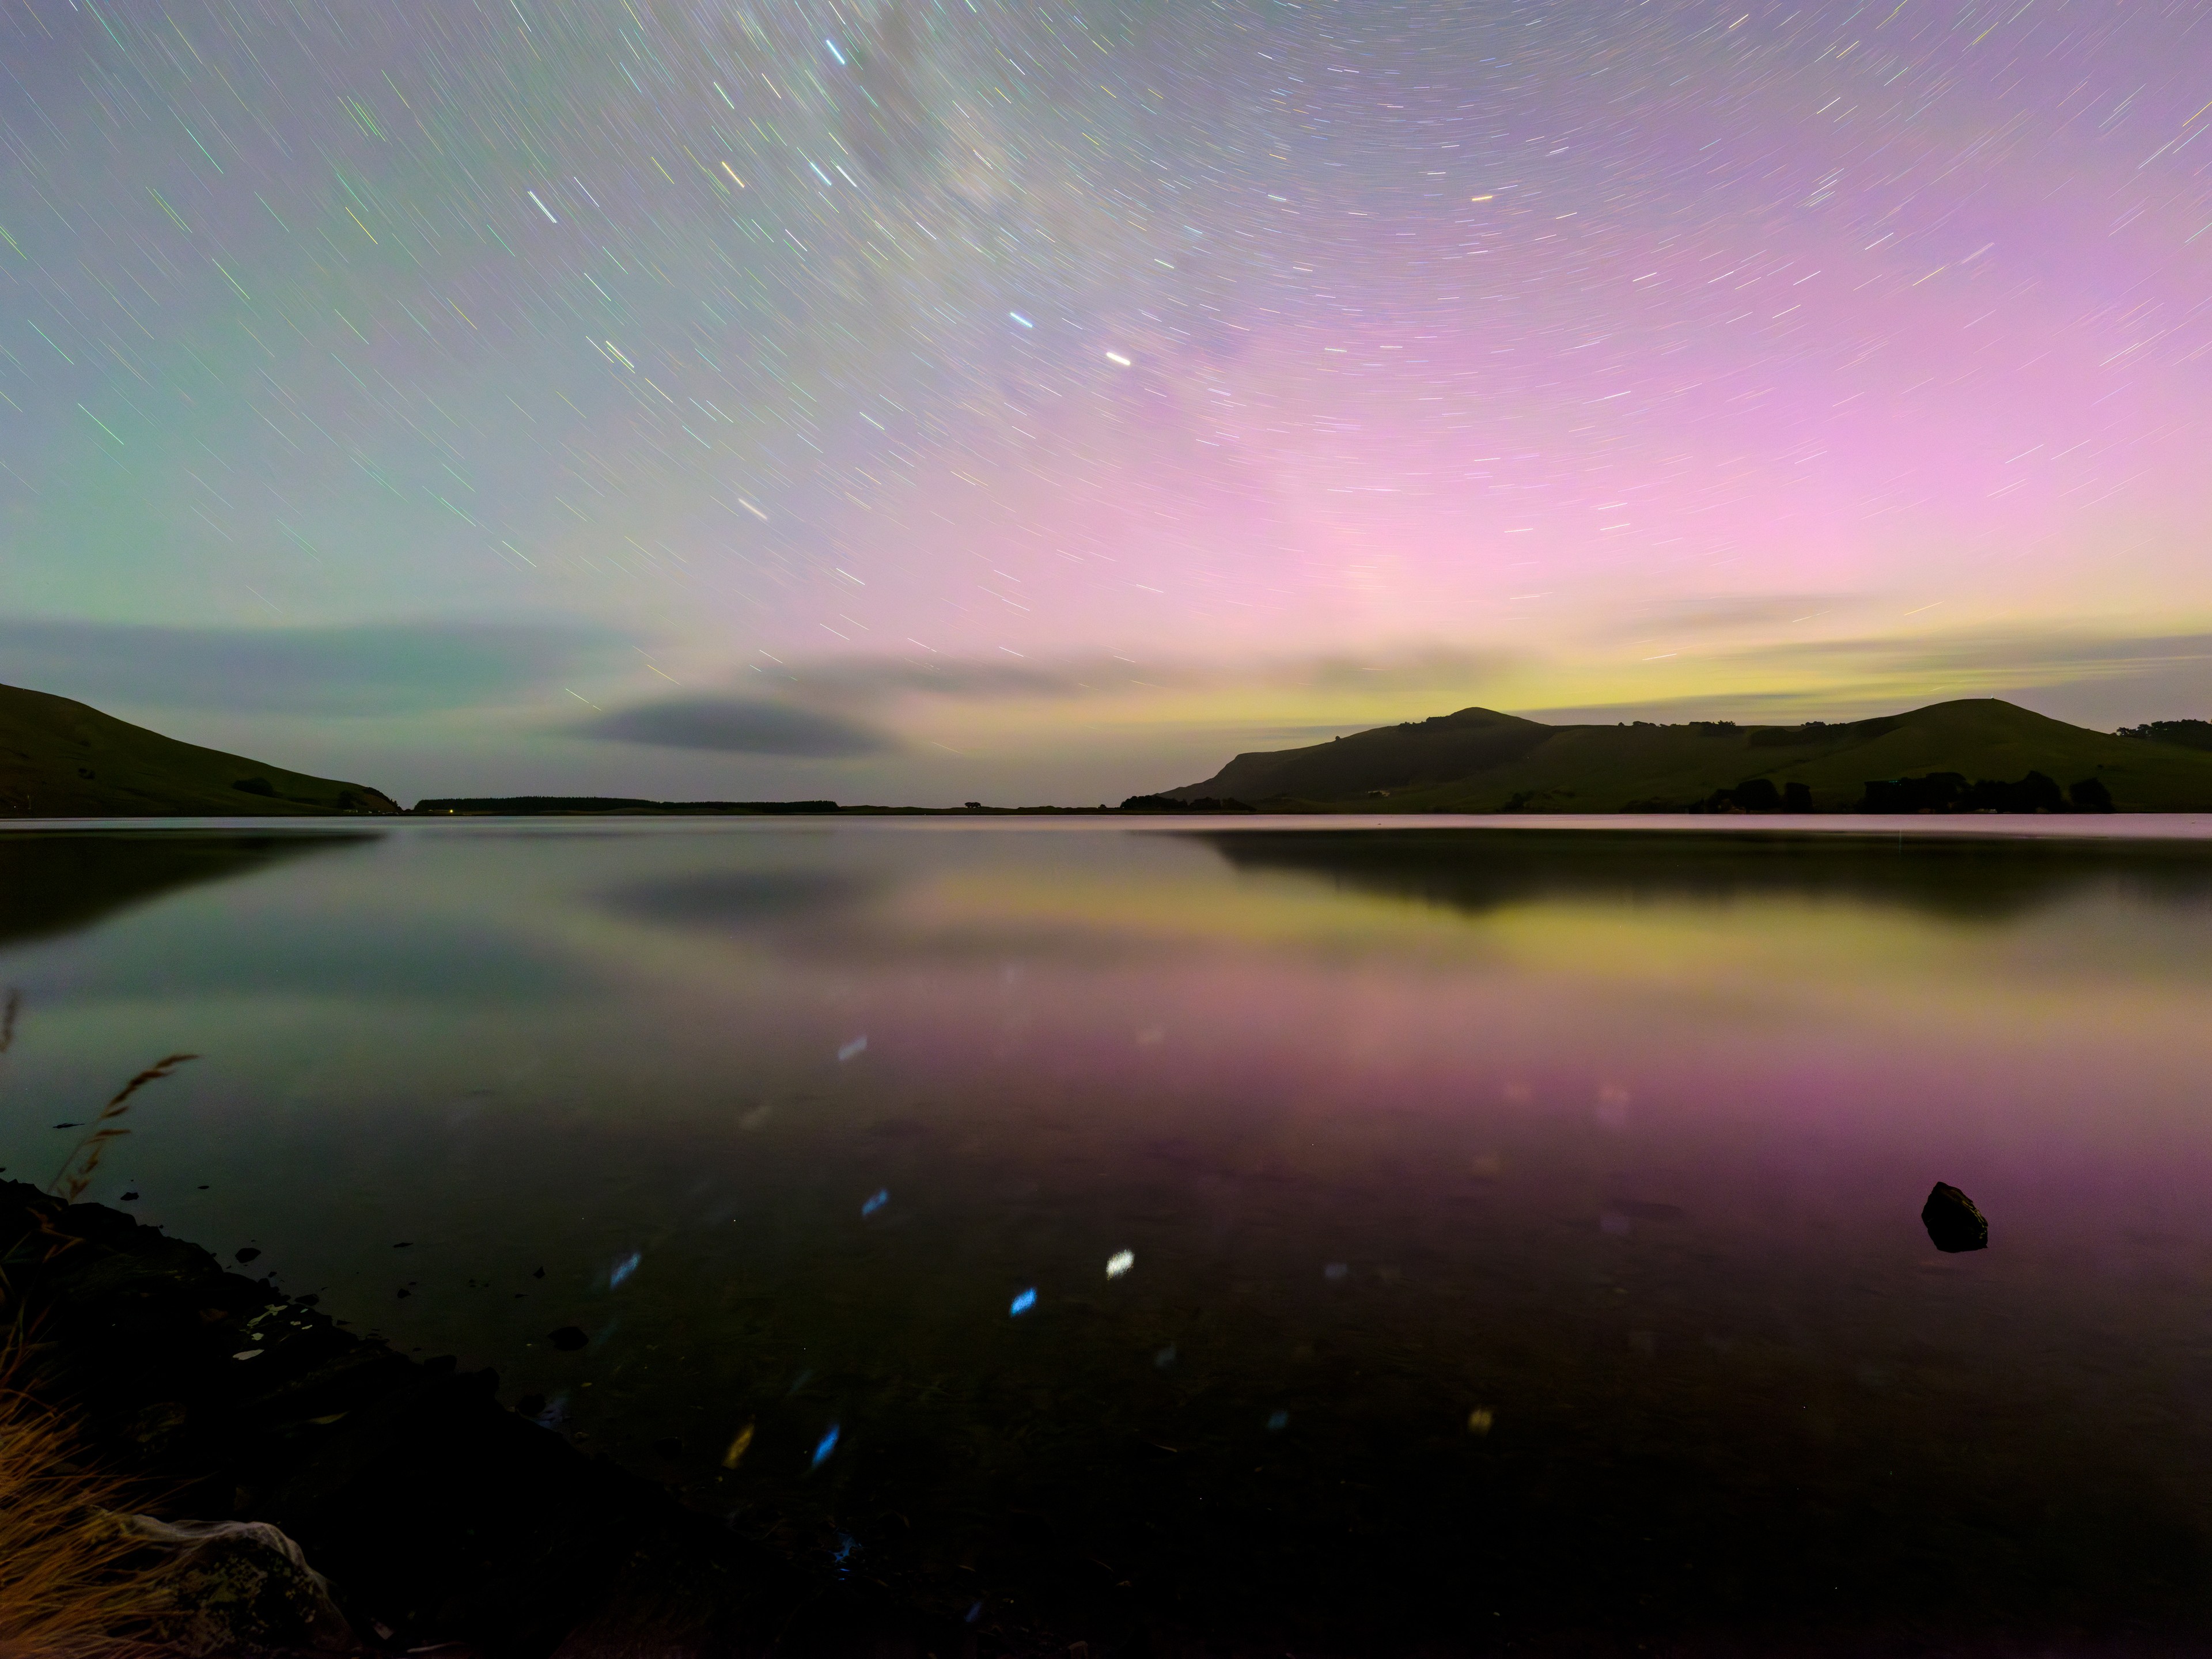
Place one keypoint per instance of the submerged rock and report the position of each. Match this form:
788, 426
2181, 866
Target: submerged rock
1953, 1222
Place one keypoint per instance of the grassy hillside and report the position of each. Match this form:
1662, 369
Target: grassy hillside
1477, 761
60, 759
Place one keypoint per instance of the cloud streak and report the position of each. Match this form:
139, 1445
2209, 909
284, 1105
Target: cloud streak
858, 682
731, 725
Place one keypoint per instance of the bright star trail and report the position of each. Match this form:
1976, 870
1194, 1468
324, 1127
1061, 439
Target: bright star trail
1055, 397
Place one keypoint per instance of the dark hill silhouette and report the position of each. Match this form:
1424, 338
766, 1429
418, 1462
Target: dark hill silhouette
1976, 754
60, 759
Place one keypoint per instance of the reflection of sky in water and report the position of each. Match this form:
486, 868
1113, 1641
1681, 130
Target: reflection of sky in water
1554, 1170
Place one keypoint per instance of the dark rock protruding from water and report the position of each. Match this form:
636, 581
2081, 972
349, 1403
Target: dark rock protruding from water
1953, 1222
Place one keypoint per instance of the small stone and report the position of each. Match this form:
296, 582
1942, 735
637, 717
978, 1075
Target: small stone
1953, 1222
568, 1338
247, 1254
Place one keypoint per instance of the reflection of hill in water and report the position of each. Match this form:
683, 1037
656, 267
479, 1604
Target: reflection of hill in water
58, 882
1960, 876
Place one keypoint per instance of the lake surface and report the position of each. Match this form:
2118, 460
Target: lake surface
1523, 1222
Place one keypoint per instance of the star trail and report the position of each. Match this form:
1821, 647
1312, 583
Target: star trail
963, 373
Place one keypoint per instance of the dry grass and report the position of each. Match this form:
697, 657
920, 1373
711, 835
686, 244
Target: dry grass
77, 1171
67, 1581
70, 1579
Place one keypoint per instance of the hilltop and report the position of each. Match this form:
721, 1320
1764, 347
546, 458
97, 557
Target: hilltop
1480, 761
60, 759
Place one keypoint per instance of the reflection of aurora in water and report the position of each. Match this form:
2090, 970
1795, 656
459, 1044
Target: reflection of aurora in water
1516, 1238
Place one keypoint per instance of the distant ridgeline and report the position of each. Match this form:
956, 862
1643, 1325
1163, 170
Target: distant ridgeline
2190, 734
1973, 756
540, 806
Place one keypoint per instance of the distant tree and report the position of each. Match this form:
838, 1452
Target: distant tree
2187, 734
1170, 803
1938, 792
1758, 795
1796, 798
2090, 795
2036, 792
1949, 791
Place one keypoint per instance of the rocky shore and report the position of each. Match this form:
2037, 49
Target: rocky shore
441, 1518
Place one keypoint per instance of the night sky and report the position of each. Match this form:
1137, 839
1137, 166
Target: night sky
911, 400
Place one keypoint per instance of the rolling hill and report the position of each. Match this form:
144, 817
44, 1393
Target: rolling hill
1479, 761
60, 759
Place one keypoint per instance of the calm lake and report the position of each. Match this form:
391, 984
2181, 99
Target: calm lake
1429, 1238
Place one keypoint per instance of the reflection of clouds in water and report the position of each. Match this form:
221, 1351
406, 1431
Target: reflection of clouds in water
734, 898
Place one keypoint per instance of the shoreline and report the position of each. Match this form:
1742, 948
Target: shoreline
440, 1517
2175, 828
